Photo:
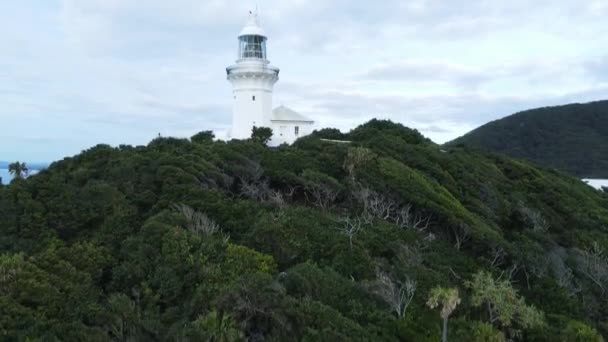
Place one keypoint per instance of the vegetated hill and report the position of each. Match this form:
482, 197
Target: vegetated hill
195, 240
572, 138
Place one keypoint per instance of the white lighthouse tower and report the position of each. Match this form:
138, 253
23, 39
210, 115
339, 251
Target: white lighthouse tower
252, 79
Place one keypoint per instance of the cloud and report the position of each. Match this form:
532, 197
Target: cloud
427, 71
597, 69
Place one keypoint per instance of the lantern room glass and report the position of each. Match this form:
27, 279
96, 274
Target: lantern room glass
252, 47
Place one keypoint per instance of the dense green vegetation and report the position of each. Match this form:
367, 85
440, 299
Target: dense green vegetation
572, 138
385, 238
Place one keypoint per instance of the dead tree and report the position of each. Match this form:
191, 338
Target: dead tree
385, 208
498, 256
461, 235
197, 222
258, 190
403, 216
291, 190
510, 273
564, 278
363, 196
398, 295
376, 204
380, 206
420, 222
533, 218
323, 195
350, 228
594, 265
277, 199
430, 237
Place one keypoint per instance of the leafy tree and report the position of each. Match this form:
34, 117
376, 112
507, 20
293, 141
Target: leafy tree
216, 327
356, 158
18, 170
123, 317
580, 332
502, 303
485, 332
261, 135
448, 299
204, 137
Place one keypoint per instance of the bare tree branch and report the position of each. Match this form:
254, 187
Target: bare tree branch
351, 226
499, 255
420, 223
594, 265
461, 235
533, 219
398, 295
324, 194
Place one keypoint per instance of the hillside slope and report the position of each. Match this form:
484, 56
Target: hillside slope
195, 240
572, 138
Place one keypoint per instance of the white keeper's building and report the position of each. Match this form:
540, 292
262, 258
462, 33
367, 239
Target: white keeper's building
253, 79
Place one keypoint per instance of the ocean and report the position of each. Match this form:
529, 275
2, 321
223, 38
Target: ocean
6, 177
597, 183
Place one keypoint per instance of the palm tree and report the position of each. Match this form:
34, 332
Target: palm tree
448, 299
18, 170
218, 327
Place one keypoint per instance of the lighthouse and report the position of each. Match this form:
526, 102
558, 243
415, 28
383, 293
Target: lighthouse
253, 80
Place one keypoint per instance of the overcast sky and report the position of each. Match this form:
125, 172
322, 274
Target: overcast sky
75, 73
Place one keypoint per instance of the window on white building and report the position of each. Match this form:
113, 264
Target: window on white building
296, 130
253, 98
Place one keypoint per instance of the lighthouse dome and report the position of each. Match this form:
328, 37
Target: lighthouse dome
252, 28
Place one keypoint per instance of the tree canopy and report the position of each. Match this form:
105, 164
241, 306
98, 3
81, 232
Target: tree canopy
18, 169
261, 135
216, 241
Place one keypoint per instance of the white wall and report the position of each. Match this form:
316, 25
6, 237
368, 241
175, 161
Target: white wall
251, 79
247, 112
284, 131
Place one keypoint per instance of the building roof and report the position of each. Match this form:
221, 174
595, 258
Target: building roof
252, 28
283, 113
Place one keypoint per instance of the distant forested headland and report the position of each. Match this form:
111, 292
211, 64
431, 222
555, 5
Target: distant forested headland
572, 138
